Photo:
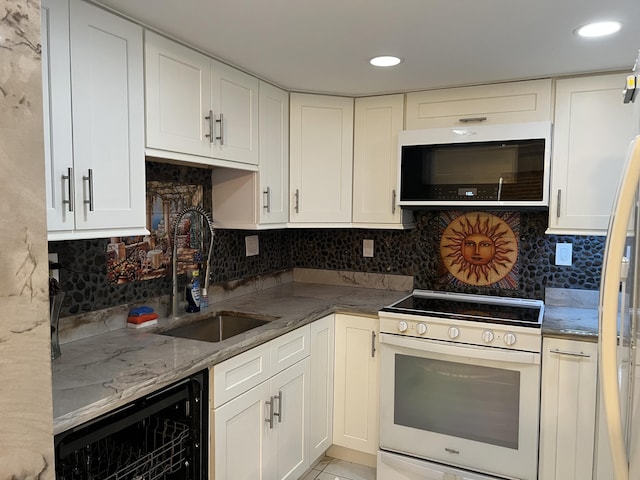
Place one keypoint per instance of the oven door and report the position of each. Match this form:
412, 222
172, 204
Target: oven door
461, 405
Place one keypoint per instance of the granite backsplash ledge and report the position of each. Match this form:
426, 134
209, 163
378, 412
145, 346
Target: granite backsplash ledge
88, 324
571, 314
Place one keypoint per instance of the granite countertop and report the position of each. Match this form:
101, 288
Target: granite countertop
571, 314
100, 373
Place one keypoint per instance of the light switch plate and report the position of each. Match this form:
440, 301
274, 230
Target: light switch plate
54, 272
564, 254
367, 248
252, 245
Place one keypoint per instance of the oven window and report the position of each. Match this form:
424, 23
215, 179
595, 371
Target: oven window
458, 399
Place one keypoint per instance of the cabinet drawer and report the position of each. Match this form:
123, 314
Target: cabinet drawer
240, 373
513, 102
289, 349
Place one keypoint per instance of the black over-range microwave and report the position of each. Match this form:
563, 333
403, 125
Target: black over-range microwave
482, 166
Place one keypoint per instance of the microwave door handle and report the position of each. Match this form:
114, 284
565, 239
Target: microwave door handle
500, 188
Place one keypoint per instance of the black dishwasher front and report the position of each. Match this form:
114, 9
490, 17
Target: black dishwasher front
160, 436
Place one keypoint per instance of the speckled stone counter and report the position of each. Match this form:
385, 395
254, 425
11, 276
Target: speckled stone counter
98, 374
571, 314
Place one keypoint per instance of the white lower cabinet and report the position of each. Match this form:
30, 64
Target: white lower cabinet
260, 428
321, 388
355, 424
289, 430
240, 436
568, 409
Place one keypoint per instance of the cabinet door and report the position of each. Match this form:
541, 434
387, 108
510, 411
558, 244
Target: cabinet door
235, 106
512, 102
240, 429
108, 119
356, 383
56, 96
321, 387
568, 409
289, 438
321, 158
178, 97
289, 349
274, 155
375, 164
592, 131
240, 373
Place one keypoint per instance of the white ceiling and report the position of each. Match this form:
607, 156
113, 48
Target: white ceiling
324, 45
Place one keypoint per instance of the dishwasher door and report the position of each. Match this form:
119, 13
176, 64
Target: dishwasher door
160, 436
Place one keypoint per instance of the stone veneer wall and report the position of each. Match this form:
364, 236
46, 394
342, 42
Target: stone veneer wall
26, 431
83, 276
416, 253
412, 252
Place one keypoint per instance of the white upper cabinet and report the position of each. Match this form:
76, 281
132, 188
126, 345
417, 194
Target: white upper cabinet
56, 96
259, 200
321, 159
514, 102
94, 122
592, 131
198, 106
274, 155
375, 162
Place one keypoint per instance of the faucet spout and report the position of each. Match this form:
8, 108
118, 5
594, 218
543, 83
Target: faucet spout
174, 258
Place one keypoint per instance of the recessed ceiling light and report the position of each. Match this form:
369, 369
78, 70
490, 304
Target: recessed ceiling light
385, 61
598, 29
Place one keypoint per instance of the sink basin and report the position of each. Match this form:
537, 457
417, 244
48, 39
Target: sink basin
219, 326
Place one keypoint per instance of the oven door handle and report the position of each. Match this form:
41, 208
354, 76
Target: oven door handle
456, 349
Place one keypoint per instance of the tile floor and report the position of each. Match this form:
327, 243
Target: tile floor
334, 469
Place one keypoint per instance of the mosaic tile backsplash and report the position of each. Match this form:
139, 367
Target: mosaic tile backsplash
415, 252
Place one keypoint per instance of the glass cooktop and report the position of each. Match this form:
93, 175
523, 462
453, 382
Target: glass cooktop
478, 308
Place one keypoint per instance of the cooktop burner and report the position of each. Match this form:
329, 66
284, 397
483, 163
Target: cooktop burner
479, 308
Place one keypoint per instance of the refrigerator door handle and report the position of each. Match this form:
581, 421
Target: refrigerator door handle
608, 311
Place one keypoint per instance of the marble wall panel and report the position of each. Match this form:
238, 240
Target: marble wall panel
26, 429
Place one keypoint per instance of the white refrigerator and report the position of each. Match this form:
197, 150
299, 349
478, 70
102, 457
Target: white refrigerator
619, 316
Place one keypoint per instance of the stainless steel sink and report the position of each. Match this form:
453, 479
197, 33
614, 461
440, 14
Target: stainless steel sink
219, 326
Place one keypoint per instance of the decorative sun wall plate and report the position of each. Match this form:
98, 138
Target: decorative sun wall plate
480, 248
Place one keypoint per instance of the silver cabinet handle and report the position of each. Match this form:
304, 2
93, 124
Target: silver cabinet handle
393, 201
279, 412
472, 119
571, 354
558, 205
270, 419
70, 191
210, 134
297, 195
221, 129
90, 180
373, 344
267, 200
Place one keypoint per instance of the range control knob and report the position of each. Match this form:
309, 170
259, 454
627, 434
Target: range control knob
454, 332
487, 336
421, 328
402, 326
509, 338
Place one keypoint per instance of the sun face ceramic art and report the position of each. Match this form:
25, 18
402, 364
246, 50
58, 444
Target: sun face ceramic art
478, 248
